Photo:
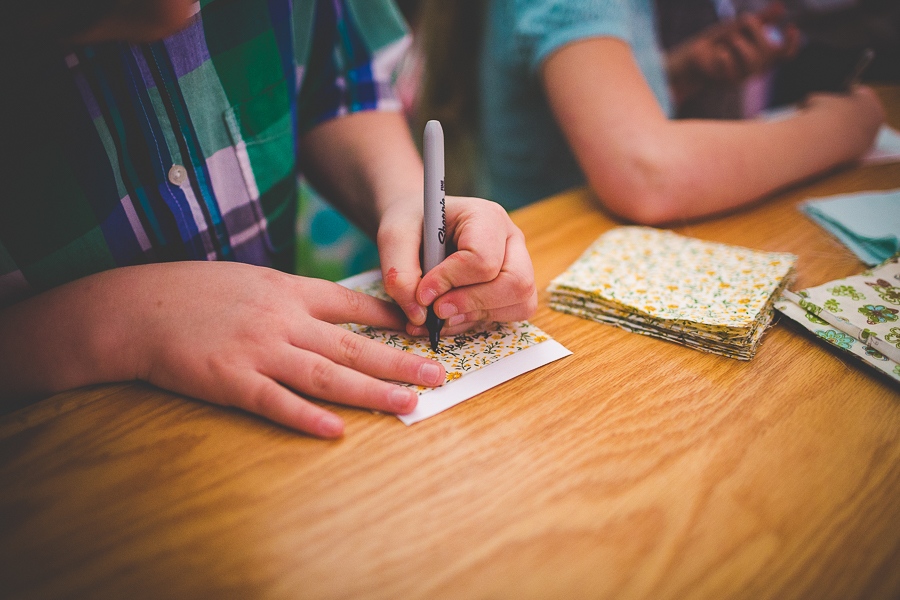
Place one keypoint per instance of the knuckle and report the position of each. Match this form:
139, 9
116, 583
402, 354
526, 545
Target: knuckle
263, 398
321, 376
522, 285
401, 364
351, 348
475, 317
218, 366
354, 301
273, 277
531, 306
486, 268
404, 295
477, 324
497, 211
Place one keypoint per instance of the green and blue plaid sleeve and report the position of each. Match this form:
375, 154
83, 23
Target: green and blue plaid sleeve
182, 149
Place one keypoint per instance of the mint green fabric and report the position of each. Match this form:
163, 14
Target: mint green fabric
868, 223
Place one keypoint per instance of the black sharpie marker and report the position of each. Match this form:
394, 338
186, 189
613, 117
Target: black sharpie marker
434, 230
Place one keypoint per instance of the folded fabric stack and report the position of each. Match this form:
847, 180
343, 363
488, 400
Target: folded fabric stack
708, 296
859, 315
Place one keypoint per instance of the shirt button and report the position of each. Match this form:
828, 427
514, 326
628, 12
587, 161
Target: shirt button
177, 175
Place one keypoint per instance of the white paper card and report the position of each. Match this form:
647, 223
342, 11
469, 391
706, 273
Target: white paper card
475, 361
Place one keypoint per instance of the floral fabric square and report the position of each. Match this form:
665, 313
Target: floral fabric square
708, 296
460, 354
859, 315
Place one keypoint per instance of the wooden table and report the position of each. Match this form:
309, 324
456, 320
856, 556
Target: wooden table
635, 468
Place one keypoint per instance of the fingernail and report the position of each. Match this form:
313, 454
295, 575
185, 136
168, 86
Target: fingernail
416, 314
401, 400
428, 296
446, 310
431, 374
331, 426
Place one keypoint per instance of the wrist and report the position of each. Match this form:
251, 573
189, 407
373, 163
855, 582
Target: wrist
74, 335
112, 326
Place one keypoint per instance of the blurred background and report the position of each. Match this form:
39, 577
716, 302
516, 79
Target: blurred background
438, 76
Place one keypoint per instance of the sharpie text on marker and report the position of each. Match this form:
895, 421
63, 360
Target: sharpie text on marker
442, 232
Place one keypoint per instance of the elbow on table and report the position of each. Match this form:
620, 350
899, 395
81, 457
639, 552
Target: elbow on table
650, 193
640, 209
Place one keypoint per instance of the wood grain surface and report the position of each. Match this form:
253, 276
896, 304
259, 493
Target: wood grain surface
635, 468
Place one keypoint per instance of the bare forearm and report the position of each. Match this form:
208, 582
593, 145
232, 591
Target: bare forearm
364, 163
67, 337
653, 170
224, 332
698, 168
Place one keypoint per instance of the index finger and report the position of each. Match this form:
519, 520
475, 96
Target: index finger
398, 249
333, 303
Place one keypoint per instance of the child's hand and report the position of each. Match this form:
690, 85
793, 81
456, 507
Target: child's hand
730, 52
859, 110
487, 277
228, 333
262, 341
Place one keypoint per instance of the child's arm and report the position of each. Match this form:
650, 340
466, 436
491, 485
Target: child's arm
651, 170
367, 163
262, 340
228, 333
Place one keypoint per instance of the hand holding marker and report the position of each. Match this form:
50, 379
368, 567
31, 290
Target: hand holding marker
434, 228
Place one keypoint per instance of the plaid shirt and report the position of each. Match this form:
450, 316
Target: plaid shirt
182, 149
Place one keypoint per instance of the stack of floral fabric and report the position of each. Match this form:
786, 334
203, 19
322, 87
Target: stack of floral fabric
712, 297
859, 314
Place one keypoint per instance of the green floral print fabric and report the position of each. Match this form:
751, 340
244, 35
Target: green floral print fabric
859, 314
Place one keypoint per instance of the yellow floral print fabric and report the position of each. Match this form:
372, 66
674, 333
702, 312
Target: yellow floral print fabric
460, 354
712, 297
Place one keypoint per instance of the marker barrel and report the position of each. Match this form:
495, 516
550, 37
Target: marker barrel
435, 224
434, 227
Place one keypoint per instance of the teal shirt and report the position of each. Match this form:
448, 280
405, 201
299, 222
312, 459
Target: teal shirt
525, 155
